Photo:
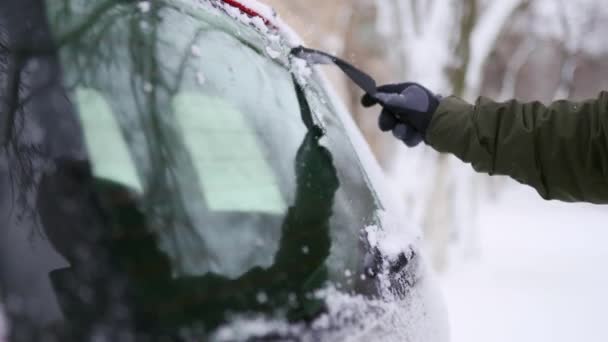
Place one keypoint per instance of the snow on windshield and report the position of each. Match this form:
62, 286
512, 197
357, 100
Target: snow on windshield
396, 234
353, 318
275, 27
392, 239
237, 14
418, 314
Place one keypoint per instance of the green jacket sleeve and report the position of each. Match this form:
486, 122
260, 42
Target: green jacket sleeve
561, 150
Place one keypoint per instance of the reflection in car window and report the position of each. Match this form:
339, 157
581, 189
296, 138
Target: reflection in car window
162, 238
232, 169
112, 159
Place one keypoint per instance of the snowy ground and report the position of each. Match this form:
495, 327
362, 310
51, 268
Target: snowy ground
541, 276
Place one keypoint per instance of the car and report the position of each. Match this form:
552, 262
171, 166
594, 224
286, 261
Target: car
170, 172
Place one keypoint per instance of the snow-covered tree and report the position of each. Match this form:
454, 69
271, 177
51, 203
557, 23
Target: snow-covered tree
442, 44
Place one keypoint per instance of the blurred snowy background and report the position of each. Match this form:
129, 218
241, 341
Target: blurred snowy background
513, 267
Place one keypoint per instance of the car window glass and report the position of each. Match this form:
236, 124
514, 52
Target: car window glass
260, 98
359, 208
157, 238
232, 170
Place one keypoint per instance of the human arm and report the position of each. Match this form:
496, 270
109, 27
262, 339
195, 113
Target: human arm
561, 149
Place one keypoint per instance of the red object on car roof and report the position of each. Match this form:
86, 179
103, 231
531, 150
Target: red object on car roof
247, 10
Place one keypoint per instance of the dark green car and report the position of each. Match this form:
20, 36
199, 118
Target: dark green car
169, 173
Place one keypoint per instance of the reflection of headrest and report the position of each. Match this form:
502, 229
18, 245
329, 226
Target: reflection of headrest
64, 206
229, 158
68, 205
107, 148
113, 194
120, 204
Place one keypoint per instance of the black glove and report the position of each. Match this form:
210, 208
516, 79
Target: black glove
407, 110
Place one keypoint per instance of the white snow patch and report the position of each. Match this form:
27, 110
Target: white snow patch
392, 240
245, 328
200, 78
259, 24
301, 70
262, 297
352, 318
236, 13
258, 7
275, 23
275, 38
148, 87
272, 53
270, 24
540, 274
195, 50
144, 6
484, 37
256, 21
580, 25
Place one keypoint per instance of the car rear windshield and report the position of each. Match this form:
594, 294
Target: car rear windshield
223, 186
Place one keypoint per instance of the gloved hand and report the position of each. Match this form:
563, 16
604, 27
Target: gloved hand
407, 110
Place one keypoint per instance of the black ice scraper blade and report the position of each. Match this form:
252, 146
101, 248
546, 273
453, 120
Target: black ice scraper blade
361, 79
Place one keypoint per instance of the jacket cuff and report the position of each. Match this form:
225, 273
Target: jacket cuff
450, 125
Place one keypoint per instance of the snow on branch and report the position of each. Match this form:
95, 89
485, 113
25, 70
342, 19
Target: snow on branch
484, 37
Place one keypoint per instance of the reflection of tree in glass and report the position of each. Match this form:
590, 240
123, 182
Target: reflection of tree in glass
160, 302
114, 48
29, 80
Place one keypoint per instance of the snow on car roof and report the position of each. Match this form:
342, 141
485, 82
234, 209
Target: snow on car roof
253, 8
262, 16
